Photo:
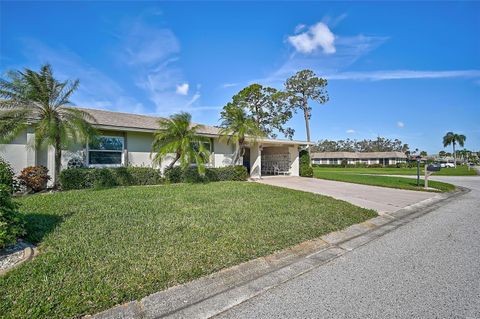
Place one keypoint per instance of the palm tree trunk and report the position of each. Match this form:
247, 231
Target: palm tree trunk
58, 159
177, 157
454, 155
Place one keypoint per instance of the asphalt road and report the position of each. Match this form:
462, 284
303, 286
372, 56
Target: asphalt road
429, 268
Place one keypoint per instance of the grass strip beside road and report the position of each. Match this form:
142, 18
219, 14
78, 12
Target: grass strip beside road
100, 248
461, 170
383, 181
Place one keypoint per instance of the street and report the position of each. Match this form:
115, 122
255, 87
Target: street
429, 268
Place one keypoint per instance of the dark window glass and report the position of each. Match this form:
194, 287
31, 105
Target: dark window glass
105, 158
108, 144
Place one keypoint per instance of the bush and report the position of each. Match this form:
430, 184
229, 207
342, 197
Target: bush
142, 176
34, 178
80, 178
11, 222
103, 178
306, 169
174, 174
7, 176
191, 175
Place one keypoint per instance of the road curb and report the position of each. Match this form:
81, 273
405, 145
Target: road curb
211, 295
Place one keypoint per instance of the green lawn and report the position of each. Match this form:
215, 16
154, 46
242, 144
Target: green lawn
99, 248
384, 181
461, 170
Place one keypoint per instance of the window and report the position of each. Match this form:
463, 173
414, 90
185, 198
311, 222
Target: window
106, 152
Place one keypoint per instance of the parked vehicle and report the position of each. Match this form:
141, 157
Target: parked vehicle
447, 165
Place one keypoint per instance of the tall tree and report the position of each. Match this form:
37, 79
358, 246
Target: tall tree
452, 139
267, 106
237, 126
37, 98
303, 87
177, 135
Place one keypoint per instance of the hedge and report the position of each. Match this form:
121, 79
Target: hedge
306, 169
80, 178
12, 224
191, 175
7, 176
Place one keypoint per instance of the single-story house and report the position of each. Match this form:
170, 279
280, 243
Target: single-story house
126, 139
383, 158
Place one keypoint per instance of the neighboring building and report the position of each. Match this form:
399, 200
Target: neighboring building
383, 158
126, 139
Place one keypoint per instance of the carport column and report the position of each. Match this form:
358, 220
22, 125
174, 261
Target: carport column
255, 161
294, 161
51, 164
30, 148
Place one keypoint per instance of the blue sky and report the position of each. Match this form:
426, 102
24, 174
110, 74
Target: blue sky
400, 70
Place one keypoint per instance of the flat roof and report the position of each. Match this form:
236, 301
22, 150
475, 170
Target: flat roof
358, 155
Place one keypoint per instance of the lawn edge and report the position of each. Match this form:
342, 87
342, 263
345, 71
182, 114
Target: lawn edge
216, 293
430, 190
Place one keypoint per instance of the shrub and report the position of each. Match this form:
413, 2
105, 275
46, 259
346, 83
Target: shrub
305, 169
103, 178
11, 222
174, 174
75, 178
7, 176
80, 178
228, 173
144, 176
191, 175
34, 178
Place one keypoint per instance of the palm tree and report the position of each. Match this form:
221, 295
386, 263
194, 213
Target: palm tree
38, 99
453, 138
177, 135
237, 127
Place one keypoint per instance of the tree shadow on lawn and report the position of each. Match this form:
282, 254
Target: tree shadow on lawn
39, 225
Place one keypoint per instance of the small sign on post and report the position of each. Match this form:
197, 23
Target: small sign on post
429, 169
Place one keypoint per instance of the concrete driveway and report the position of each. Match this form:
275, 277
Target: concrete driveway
381, 199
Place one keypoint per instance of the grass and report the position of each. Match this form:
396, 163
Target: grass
384, 181
99, 248
461, 170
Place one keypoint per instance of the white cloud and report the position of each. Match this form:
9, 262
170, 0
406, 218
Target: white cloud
146, 45
317, 36
182, 89
154, 55
400, 124
300, 28
350, 131
403, 74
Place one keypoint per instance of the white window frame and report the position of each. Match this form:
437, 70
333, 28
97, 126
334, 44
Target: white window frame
107, 151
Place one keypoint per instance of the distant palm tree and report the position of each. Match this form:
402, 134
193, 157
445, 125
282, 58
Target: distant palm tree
38, 99
177, 135
237, 127
453, 138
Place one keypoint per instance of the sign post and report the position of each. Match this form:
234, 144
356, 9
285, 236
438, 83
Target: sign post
418, 170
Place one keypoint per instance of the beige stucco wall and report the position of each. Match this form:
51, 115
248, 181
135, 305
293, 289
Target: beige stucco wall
138, 146
16, 152
223, 153
137, 153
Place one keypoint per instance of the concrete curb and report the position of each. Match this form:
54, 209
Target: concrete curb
28, 254
218, 292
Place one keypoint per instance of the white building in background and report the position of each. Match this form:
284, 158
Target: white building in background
368, 158
126, 139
